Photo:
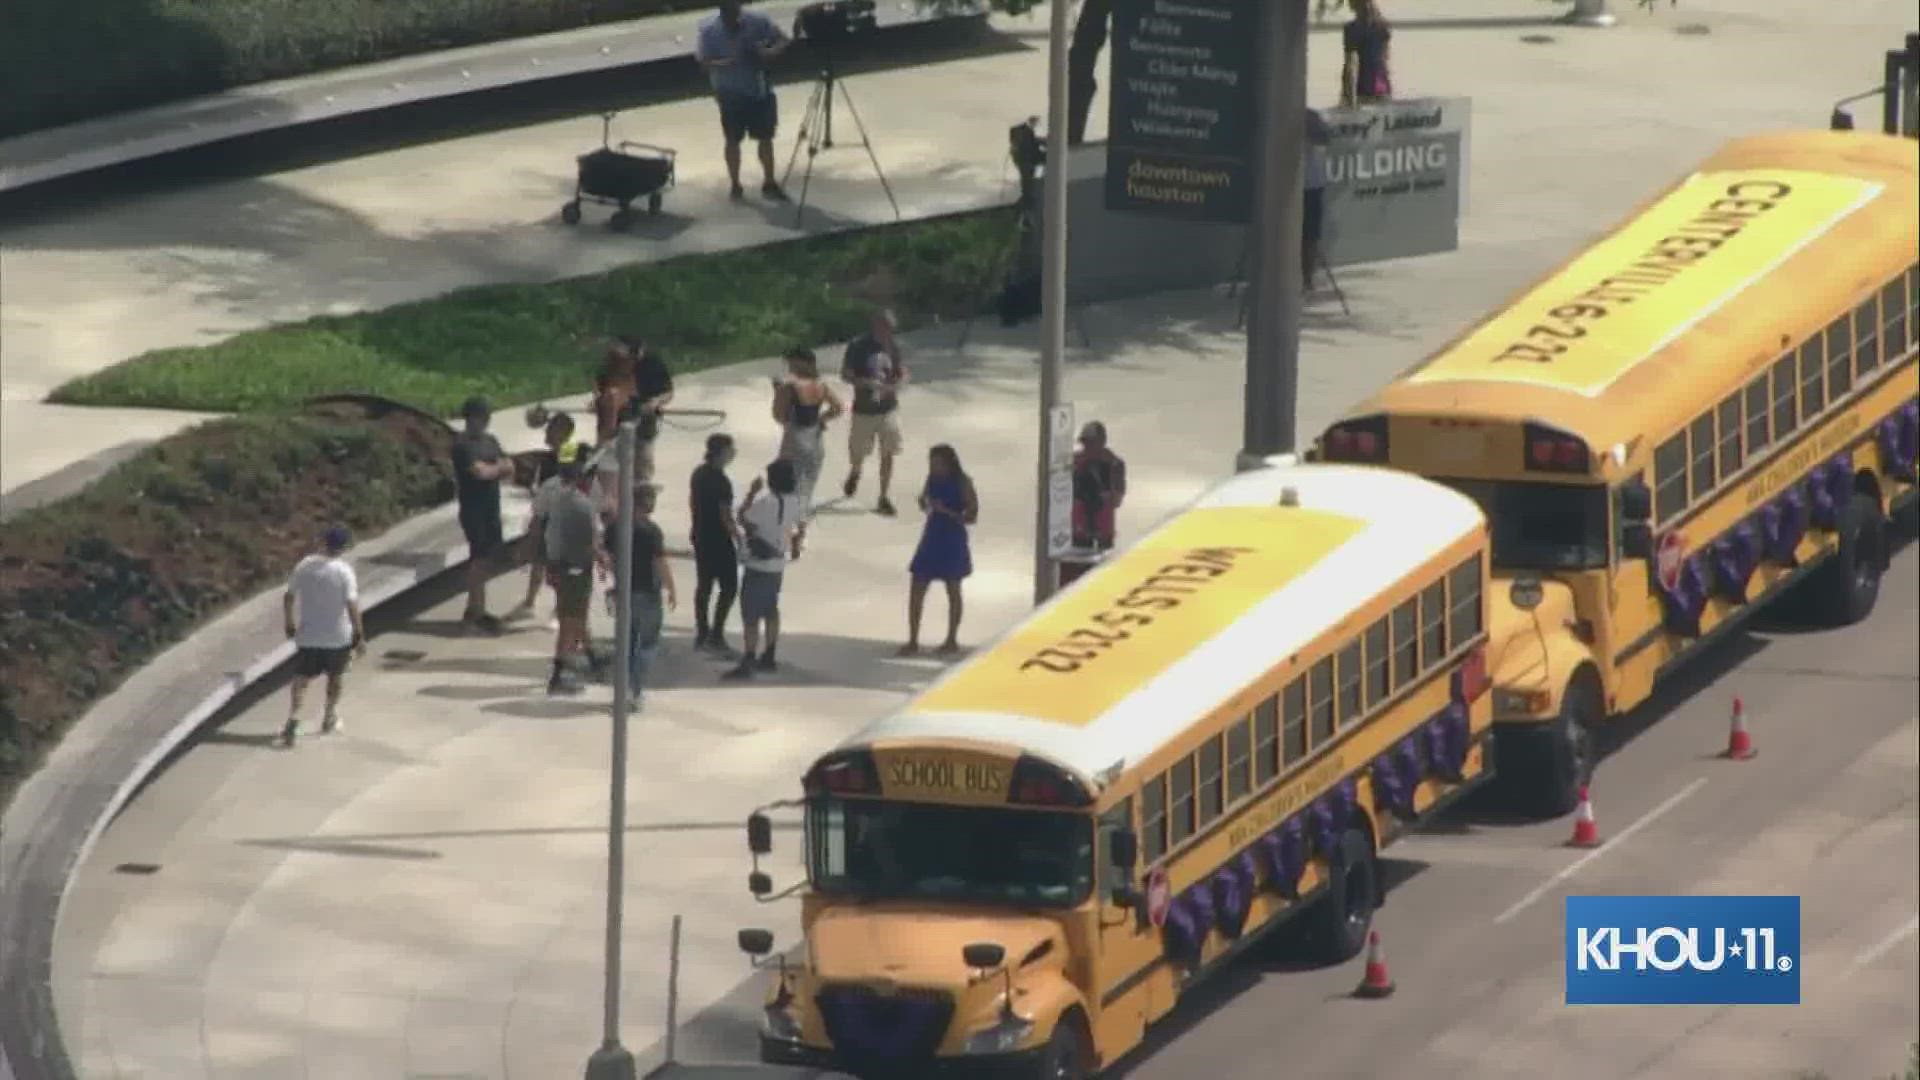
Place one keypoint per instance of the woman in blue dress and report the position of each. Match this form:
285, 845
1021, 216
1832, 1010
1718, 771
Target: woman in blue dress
951, 505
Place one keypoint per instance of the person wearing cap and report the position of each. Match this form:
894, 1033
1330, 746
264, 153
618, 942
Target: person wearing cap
479, 464
872, 365
560, 449
321, 609
1099, 487
574, 550
652, 588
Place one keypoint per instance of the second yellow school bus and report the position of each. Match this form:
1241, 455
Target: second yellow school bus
1711, 406
1211, 734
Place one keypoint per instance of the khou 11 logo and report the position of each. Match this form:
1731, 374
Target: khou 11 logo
1683, 950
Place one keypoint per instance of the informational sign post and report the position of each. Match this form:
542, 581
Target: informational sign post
1060, 439
1180, 121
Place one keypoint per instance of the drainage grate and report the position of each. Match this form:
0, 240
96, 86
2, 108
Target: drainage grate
403, 656
137, 868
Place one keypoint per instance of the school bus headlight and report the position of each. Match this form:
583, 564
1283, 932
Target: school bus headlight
1525, 702
781, 1024
1007, 1033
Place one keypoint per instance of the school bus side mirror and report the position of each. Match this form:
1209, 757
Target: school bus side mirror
1636, 502
983, 955
759, 834
756, 943
1636, 541
1526, 593
1123, 850
759, 884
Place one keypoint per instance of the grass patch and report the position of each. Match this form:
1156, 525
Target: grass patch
96, 585
518, 343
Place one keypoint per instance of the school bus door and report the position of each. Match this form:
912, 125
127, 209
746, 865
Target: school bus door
1129, 945
1633, 602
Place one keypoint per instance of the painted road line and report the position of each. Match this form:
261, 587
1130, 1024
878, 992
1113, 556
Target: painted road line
1885, 944
1619, 838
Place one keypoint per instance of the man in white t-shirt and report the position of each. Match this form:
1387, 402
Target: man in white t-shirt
772, 528
322, 611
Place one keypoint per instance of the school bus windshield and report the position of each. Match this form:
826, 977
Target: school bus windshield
1541, 526
916, 851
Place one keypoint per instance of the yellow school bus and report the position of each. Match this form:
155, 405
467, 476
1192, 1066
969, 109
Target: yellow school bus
1211, 733
1714, 404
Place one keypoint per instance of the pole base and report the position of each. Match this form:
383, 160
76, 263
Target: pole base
612, 1062
1598, 20
1249, 460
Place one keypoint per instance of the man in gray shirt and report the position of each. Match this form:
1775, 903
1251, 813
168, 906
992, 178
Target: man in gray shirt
734, 48
573, 551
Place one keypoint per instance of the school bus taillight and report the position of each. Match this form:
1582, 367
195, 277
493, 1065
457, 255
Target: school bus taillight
846, 774
1470, 680
1357, 441
1552, 450
1036, 783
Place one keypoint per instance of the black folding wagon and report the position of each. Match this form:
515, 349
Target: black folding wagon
618, 176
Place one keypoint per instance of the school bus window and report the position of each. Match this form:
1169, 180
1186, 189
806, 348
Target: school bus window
1321, 701
1463, 617
1379, 661
1896, 315
1785, 414
1406, 643
1670, 478
1210, 801
1758, 428
1266, 741
1294, 708
1114, 820
1840, 356
1433, 624
1350, 679
1180, 814
1153, 818
1239, 759
1813, 378
1730, 435
1866, 337
1701, 436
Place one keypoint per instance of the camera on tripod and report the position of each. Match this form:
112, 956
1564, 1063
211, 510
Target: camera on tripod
1024, 145
834, 21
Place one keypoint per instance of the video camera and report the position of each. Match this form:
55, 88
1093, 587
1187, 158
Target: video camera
1024, 145
834, 21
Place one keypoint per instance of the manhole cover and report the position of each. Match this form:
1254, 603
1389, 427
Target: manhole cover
403, 656
137, 868
1694, 30
1537, 39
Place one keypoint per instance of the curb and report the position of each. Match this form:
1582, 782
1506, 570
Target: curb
36, 869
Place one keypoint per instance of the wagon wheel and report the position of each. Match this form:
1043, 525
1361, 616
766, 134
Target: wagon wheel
570, 213
653, 203
622, 219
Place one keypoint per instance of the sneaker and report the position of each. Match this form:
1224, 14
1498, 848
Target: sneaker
885, 506
288, 735
563, 686
852, 485
737, 193
739, 673
331, 725
767, 662
772, 192
481, 623
522, 610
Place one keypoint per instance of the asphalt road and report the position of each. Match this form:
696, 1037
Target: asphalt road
1473, 932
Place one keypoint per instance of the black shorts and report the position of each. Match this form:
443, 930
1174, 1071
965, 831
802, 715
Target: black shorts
749, 117
311, 663
483, 531
716, 558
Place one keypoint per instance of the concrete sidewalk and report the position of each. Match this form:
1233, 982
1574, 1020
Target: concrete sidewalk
422, 894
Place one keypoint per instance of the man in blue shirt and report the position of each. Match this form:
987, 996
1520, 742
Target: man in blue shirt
734, 49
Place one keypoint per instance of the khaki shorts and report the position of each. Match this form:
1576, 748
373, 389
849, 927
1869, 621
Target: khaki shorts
866, 429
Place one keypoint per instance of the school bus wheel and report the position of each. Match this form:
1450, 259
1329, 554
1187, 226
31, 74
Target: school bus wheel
1336, 927
1844, 591
1067, 1056
1542, 767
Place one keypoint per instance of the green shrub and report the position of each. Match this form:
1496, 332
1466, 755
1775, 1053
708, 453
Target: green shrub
526, 342
62, 61
94, 586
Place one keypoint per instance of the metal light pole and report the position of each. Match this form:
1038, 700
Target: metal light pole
1053, 287
1590, 13
1273, 319
614, 1061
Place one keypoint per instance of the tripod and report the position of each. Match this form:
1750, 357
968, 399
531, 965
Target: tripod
816, 134
1319, 256
1023, 253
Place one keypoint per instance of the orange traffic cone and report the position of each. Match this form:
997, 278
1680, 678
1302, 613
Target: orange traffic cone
1739, 743
1585, 832
1376, 983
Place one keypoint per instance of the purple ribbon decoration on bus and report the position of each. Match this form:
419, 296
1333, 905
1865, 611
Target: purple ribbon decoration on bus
1388, 788
1446, 735
1285, 853
1783, 523
1899, 439
1233, 893
1324, 829
1688, 598
1735, 557
1412, 768
1829, 487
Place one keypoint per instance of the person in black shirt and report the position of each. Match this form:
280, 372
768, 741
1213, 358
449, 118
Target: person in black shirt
652, 578
716, 540
478, 467
1364, 75
872, 364
652, 392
